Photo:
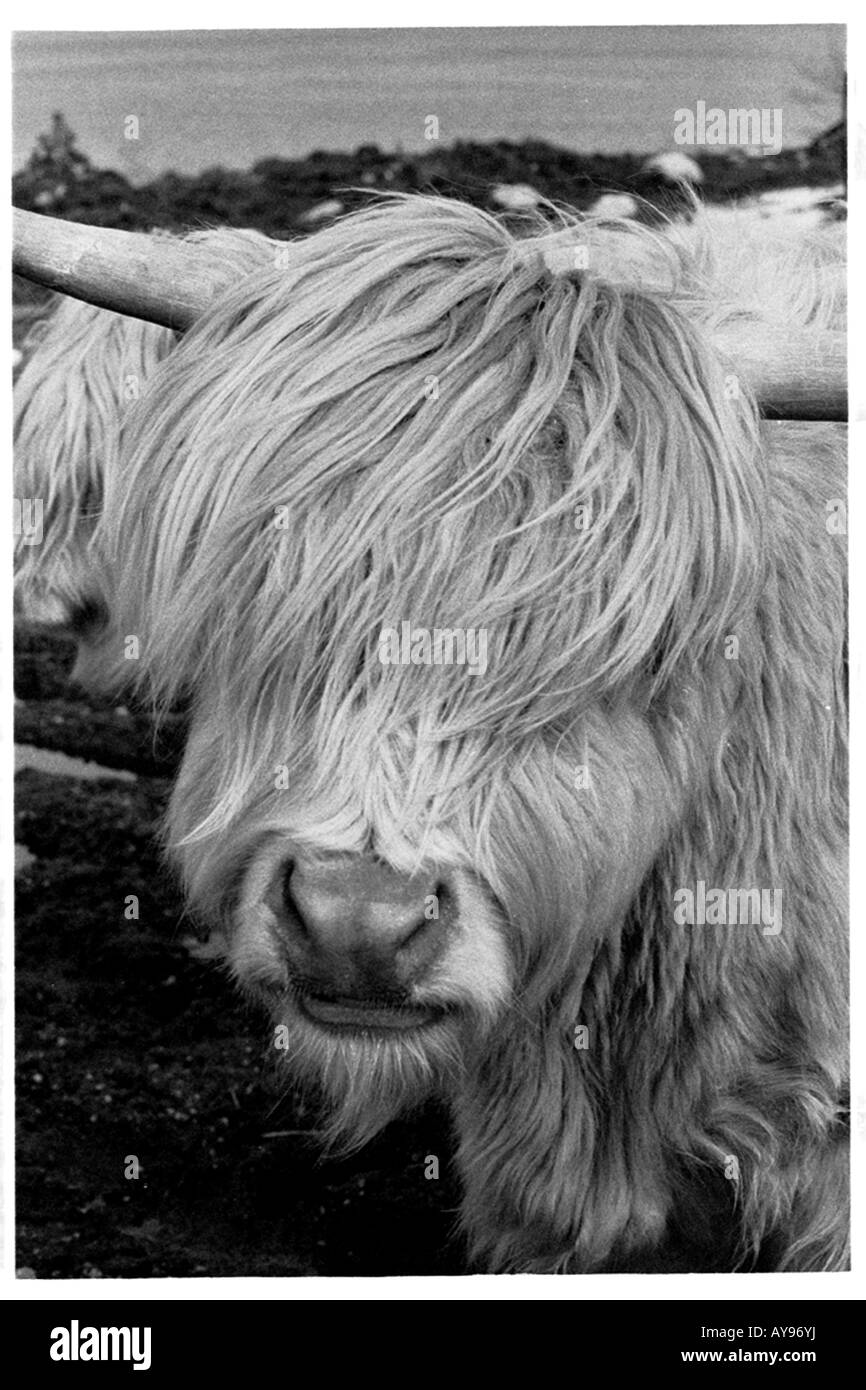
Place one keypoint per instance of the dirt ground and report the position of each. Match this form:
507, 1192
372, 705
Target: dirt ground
132, 1048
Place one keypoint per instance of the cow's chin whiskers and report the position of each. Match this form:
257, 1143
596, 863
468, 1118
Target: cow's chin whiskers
366, 1080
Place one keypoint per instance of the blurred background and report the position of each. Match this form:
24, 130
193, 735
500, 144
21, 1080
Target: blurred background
231, 98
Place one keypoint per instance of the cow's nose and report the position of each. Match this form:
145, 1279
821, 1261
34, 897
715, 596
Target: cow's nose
353, 926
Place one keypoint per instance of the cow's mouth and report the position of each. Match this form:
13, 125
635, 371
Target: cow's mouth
367, 1015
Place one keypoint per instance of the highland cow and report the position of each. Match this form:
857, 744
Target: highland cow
441, 881
82, 367
80, 363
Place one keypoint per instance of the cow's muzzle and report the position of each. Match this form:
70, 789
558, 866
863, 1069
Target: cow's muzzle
359, 937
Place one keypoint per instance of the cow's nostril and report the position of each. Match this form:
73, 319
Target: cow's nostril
295, 917
87, 617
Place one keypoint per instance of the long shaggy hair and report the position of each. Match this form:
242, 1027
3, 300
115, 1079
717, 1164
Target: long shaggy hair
80, 363
426, 417
83, 366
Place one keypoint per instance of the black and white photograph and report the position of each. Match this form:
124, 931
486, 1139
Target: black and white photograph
430, 651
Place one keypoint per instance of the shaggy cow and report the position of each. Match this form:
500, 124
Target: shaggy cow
592, 889
80, 362
82, 367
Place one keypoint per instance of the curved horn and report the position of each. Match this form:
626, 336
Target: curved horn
795, 376
162, 281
